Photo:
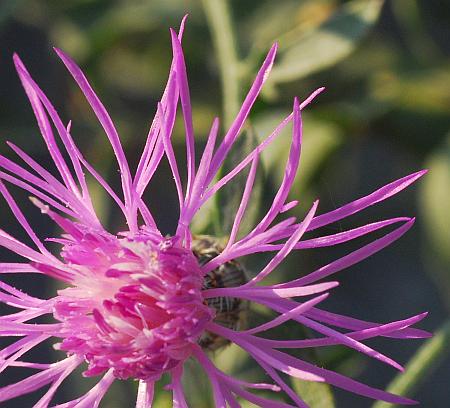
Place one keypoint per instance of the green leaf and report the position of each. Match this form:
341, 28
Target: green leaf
162, 398
261, 30
435, 203
231, 359
435, 199
329, 43
423, 90
428, 358
203, 220
196, 385
315, 394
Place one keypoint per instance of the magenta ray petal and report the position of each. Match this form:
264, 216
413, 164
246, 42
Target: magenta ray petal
236, 126
287, 248
170, 153
341, 381
348, 341
101, 181
198, 188
244, 202
73, 151
23, 316
31, 341
289, 174
258, 243
306, 371
52, 181
329, 240
259, 401
364, 334
356, 324
352, 258
23, 221
219, 398
38, 380
245, 384
47, 397
154, 147
110, 130
285, 305
287, 316
230, 398
256, 151
13, 301
289, 206
251, 246
223, 385
16, 301
19, 344
140, 182
355, 206
179, 399
31, 301
269, 292
84, 199
245, 162
240, 340
288, 390
333, 239
49, 184
185, 98
145, 392
26, 315
19, 248
93, 397
44, 125
21, 329
44, 197
26, 364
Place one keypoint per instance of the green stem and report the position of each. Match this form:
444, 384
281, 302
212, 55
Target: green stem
219, 21
429, 356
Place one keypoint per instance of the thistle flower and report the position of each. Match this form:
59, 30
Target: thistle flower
138, 304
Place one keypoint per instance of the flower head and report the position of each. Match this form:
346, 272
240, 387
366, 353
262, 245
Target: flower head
138, 304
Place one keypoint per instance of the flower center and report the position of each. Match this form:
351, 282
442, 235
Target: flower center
135, 305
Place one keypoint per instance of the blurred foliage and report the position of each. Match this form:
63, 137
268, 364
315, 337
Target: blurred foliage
435, 204
386, 112
425, 361
317, 395
304, 51
436, 199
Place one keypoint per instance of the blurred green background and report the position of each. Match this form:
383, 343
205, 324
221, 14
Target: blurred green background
385, 113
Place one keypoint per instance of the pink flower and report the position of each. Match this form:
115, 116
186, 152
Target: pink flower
139, 304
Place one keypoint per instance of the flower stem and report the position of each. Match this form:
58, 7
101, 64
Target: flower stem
219, 21
430, 355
